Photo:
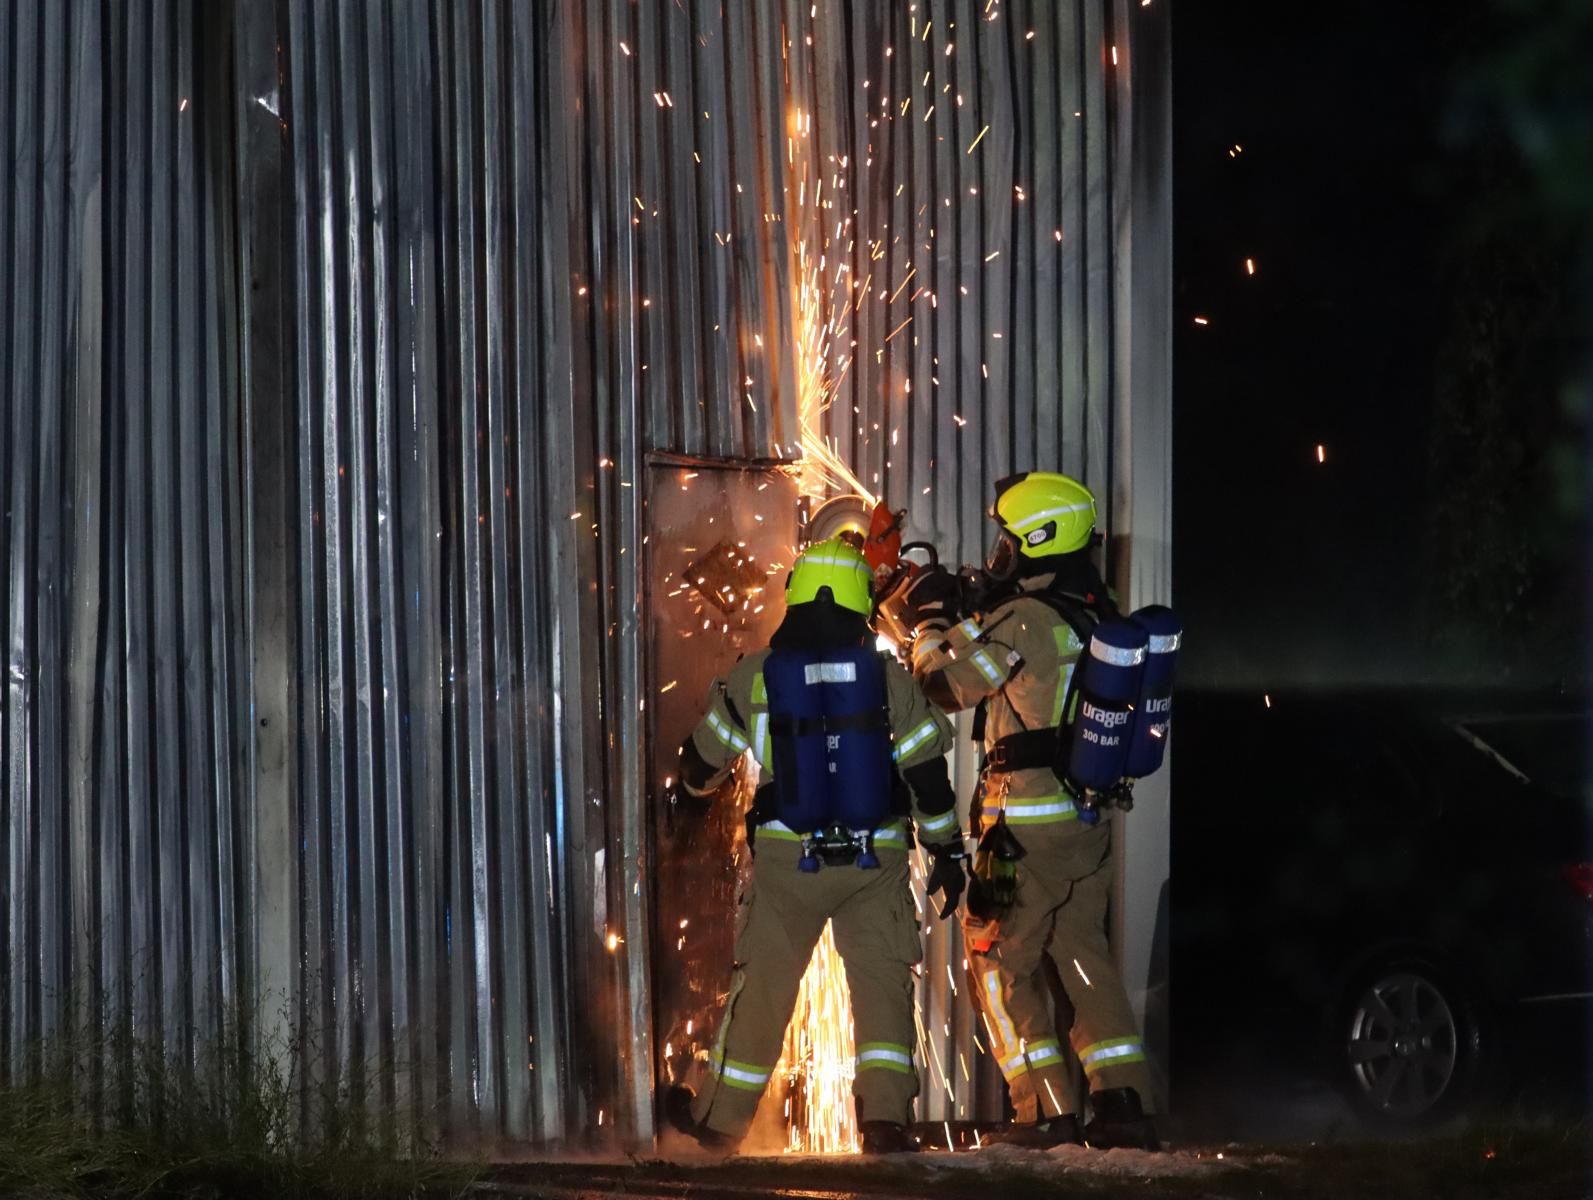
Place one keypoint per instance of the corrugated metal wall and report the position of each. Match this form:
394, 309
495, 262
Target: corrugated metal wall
335, 338
125, 714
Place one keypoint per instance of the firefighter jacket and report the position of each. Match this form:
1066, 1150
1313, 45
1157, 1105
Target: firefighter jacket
1019, 658
737, 722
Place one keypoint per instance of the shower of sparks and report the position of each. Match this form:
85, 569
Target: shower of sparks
816, 1062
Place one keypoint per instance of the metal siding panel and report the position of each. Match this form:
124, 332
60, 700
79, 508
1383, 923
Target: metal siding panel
546, 1038
711, 60
1142, 284
1095, 469
83, 284
417, 525
1075, 189
270, 829
1047, 120
13, 49
386, 850
20, 829
678, 420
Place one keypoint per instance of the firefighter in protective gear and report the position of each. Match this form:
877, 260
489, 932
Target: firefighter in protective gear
1042, 876
850, 756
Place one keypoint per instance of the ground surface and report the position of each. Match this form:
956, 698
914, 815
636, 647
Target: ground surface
1542, 1163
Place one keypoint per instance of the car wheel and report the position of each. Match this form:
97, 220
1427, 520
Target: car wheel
1409, 1044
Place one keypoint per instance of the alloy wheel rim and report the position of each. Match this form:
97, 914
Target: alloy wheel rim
1403, 1044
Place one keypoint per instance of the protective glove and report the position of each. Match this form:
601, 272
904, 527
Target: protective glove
931, 597
948, 875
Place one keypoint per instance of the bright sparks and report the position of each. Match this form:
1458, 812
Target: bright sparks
817, 1059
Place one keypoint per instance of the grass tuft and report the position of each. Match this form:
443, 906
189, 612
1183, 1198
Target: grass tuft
113, 1119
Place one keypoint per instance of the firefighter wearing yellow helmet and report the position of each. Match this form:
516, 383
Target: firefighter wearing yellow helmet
850, 757
1042, 871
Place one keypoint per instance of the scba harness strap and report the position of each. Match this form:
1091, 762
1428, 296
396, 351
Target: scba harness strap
785, 725
1046, 746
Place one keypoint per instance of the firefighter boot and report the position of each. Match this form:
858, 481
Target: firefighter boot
1039, 1135
885, 1137
677, 1110
1120, 1121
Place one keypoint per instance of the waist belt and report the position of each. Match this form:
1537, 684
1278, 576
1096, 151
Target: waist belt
1025, 751
894, 834
785, 725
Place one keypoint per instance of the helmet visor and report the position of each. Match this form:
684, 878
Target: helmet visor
1002, 560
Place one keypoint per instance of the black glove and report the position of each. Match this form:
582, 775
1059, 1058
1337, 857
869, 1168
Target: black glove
931, 595
948, 875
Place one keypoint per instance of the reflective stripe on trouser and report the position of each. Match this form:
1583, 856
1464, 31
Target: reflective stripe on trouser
1113, 1052
885, 1056
1064, 882
781, 919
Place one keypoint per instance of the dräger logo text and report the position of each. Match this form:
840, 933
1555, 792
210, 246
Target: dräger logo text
1102, 717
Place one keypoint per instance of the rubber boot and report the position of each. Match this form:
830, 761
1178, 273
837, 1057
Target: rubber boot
1038, 1135
1120, 1121
885, 1137
677, 1110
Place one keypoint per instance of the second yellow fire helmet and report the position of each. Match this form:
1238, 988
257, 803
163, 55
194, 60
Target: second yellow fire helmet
1041, 515
834, 565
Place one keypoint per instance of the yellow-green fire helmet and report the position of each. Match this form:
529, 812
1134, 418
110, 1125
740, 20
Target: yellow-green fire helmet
1042, 515
835, 565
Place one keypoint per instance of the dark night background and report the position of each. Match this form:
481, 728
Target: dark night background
1414, 191
1414, 183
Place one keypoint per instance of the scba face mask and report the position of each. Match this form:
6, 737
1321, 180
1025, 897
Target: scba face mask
1003, 560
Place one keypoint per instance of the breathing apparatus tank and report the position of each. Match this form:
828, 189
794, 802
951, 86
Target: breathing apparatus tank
831, 743
1153, 708
1110, 680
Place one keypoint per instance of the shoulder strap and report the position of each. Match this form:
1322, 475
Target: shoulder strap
1048, 746
1072, 609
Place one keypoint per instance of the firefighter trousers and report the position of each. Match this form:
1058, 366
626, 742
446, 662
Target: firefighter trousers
1063, 887
781, 919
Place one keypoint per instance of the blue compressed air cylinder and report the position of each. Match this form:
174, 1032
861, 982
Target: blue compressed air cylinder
830, 737
1113, 666
1153, 709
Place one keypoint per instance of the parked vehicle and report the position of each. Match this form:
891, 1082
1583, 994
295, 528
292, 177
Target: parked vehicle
1392, 891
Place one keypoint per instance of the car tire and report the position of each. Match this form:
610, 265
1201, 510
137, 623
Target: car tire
1409, 1042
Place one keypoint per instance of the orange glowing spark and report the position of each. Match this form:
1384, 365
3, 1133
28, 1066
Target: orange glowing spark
1250, 266
898, 329
1321, 453
978, 139
1202, 321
